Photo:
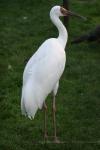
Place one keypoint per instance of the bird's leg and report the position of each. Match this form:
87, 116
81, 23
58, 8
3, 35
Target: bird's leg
54, 120
45, 123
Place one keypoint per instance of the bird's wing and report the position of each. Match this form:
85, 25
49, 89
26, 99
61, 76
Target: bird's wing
48, 52
41, 74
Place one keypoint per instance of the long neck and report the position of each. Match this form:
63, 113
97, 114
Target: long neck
63, 35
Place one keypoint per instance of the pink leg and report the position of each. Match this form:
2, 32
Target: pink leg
54, 121
45, 123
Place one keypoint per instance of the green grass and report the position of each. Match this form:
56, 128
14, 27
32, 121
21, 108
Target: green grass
78, 99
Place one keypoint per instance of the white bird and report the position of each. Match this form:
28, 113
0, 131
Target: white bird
44, 69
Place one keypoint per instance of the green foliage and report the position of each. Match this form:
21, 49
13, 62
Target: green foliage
24, 25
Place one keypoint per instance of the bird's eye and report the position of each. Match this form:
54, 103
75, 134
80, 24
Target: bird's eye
63, 11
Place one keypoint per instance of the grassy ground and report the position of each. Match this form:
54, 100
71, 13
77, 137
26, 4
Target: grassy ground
24, 25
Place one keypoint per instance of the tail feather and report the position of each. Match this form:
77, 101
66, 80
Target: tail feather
29, 104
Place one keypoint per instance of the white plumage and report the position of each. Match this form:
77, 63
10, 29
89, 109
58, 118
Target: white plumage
44, 69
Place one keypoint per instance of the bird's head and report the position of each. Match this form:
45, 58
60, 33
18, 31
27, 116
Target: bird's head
61, 11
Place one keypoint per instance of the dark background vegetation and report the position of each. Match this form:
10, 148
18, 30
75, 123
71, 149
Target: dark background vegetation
24, 25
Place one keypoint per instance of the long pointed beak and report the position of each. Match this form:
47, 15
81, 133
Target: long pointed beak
75, 14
